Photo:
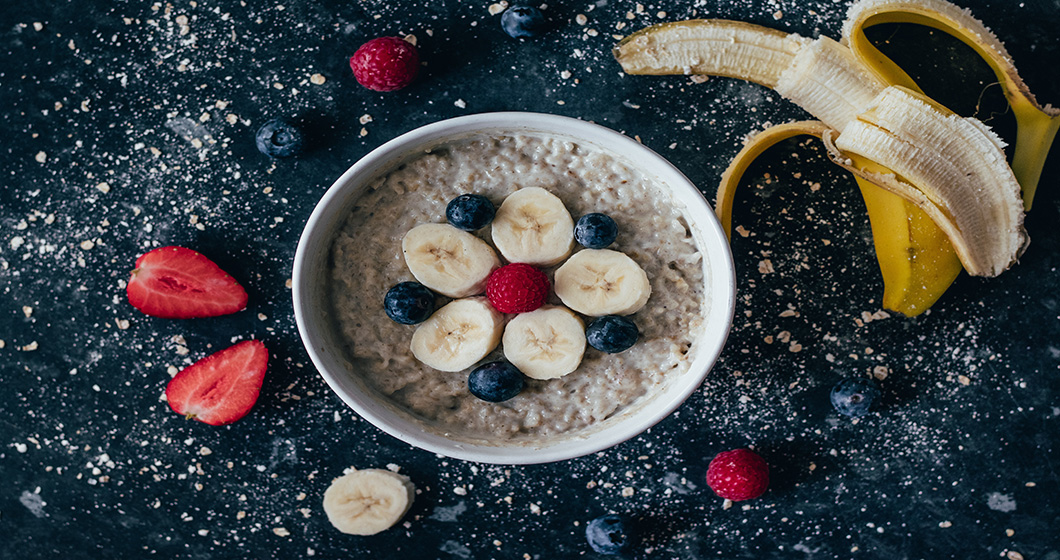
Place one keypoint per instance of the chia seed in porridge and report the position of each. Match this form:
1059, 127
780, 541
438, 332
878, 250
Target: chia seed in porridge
366, 260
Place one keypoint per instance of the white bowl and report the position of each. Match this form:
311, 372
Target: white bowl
320, 338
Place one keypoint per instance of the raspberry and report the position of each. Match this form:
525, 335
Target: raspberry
517, 288
738, 475
385, 64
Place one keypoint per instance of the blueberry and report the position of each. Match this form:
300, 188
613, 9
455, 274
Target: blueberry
855, 396
409, 303
523, 21
607, 534
495, 381
595, 231
470, 212
280, 138
612, 334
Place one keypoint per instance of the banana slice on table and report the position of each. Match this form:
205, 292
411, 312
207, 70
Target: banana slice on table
546, 343
599, 282
368, 501
447, 260
532, 226
458, 335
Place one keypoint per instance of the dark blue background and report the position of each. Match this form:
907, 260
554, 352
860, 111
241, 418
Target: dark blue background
114, 92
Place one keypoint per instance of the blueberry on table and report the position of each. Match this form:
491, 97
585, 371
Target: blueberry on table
409, 303
595, 231
612, 334
280, 138
470, 212
608, 534
855, 396
523, 21
495, 381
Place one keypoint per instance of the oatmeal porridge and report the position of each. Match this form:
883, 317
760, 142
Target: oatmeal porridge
366, 260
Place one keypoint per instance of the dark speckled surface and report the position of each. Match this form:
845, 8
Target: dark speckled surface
961, 461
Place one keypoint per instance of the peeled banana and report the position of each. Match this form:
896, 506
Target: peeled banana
941, 165
368, 501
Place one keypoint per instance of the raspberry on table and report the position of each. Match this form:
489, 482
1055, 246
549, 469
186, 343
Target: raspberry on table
517, 288
385, 64
737, 475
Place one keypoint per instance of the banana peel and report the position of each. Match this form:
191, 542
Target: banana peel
1036, 126
915, 256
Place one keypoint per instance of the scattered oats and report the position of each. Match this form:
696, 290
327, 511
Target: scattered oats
21, 447
103, 187
1013, 555
221, 104
963, 379
945, 524
72, 46
262, 316
765, 267
277, 85
778, 14
27, 311
726, 504
460, 491
123, 324
497, 8
87, 244
241, 514
460, 103
281, 532
205, 451
744, 232
2, 343
591, 484
628, 491
787, 313
37, 26
880, 372
535, 509
204, 532
1009, 532
84, 105
30, 347
205, 116
317, 79
592, 32
301, 496
580, 19
41, 157
196, 142
410, 39
1030, 485
364, 131
232, 118
565, 74
288, 283
661, 15
813, 467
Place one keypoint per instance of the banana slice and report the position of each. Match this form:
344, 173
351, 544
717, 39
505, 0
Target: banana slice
447, 260
369, 501
532, 226
546, 343
599, 282
458, 335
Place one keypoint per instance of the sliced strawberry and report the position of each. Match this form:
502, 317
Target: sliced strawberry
178, 283
222, 387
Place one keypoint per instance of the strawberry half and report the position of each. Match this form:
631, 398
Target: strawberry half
222, 387
178, 283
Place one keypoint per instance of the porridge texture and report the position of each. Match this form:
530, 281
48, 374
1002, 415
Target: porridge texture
367, 261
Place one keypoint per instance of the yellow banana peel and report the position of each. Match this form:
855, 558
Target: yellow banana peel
1036, 126
916, 259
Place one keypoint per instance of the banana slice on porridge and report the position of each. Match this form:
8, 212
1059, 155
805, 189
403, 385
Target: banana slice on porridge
599, 282
546, 343
458, 335
447, 260
533, 226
